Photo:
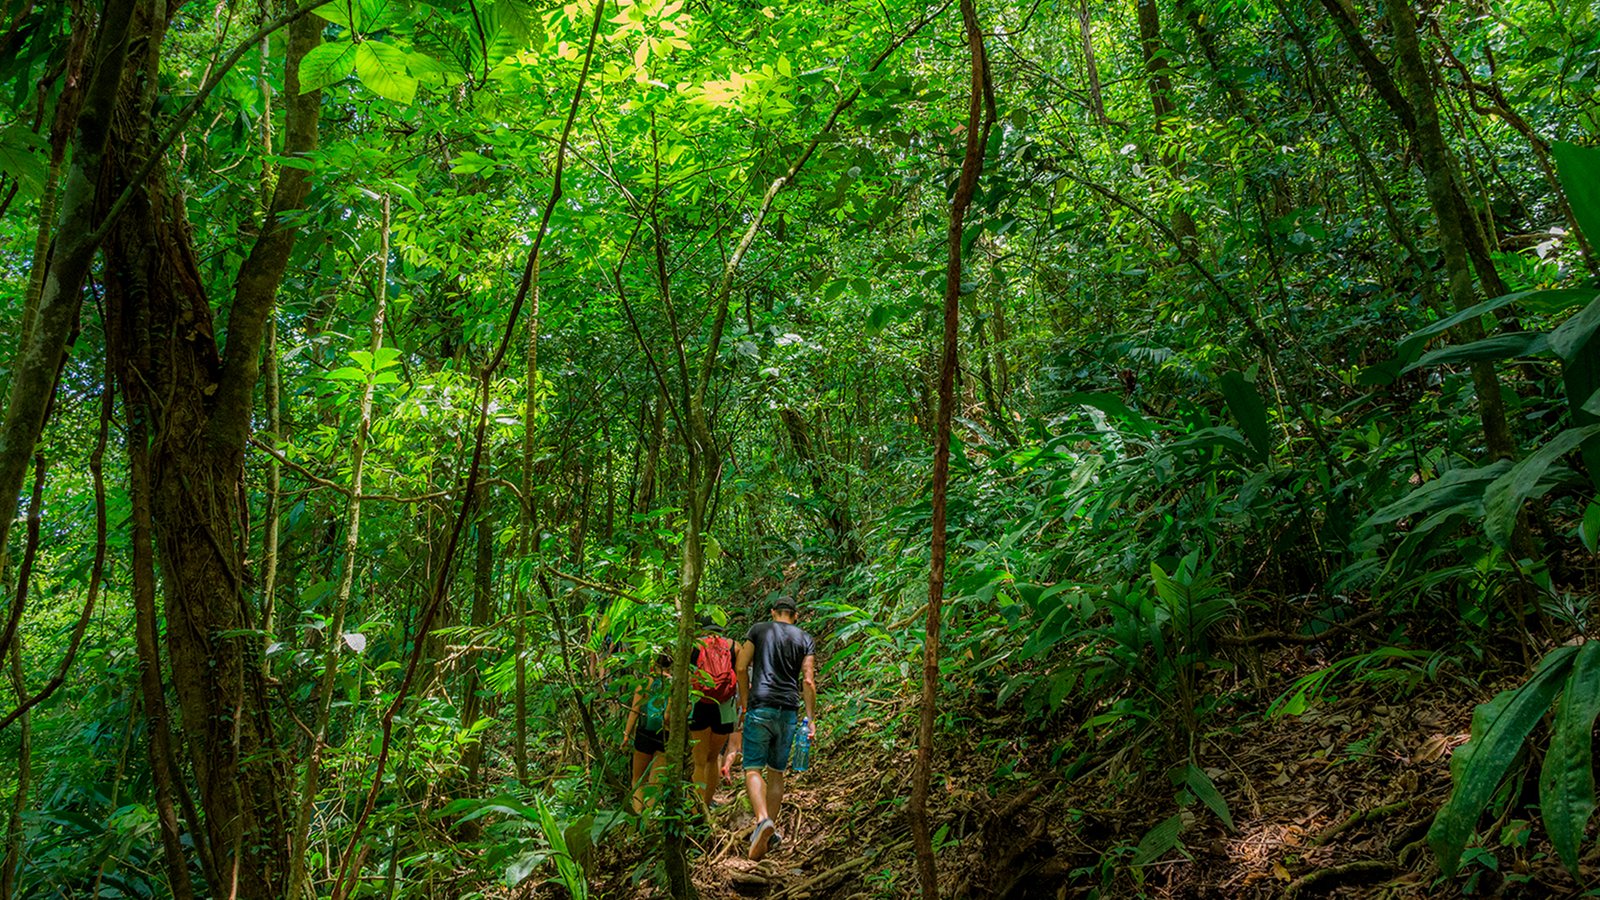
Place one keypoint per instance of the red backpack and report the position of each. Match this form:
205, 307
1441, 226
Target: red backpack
716, 662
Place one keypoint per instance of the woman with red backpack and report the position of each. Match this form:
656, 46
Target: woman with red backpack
712, 718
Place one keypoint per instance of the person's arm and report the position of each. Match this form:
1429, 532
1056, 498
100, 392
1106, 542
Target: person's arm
808, 687
633, 716
741, 669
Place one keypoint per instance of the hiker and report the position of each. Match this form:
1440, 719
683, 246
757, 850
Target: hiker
711, 719
777, 668
731, 751
647, 728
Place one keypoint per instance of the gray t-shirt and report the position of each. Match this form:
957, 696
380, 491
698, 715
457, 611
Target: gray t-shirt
780, 649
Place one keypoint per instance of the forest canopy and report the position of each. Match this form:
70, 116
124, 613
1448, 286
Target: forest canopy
1177, 422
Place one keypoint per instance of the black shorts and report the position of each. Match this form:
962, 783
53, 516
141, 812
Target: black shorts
707, 714
647, 741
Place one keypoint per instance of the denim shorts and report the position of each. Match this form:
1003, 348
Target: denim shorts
768, 732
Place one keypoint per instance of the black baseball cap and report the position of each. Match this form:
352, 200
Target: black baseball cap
784, 602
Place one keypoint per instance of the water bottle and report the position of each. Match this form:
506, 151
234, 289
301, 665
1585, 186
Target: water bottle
802, 748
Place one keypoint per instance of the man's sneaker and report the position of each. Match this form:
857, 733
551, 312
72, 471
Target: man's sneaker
760, 838
777, 839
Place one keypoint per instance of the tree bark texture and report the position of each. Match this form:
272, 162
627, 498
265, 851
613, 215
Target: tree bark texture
1438, 169
198, 400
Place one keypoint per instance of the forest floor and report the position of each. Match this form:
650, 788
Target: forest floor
1334, 802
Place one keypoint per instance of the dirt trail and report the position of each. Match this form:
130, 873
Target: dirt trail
817, 858
1331, 803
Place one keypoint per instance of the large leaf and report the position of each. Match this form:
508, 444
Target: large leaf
22, 156
1576, 332
325, 64
1504, 496
363, 16
382, 68
1248, 409
1201, 785
1498, 729
1580, 378
1457, 489
1112, 405
1579, 171
1157, 842
1501, 346
1557, 297
1566, 783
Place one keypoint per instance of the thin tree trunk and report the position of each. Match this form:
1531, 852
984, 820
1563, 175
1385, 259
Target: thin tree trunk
835, 513
12, 860
979, 120
333, 641
526, 520
482, 601
1097, 102
1159, 81
39, 355
96, 568
1433, 155
351, 859
269, 539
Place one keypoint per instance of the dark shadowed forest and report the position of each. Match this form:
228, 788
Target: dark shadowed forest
854, 449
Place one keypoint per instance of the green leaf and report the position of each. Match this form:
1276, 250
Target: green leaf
1580, 380
1157, 842
1575, 332
1248, 409
1544, 300
363, 16
1498, 729
1504, 496
1589, 530
1112, 405
382, 68
22, 156
1566, 783
325, 64
518, 870
1201, 785
1579, 171
1501, 346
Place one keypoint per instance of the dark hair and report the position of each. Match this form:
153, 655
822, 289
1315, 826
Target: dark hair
663, 661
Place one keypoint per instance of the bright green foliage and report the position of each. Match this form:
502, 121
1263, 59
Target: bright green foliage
1174, 453
1499, 730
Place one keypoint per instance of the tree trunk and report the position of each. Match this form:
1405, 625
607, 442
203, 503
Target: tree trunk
835, 513
1438, 170
1097, 102
977, 132
1159, 80
482, 613
526, 522
40, 352
151, 692
11, 861
198, 400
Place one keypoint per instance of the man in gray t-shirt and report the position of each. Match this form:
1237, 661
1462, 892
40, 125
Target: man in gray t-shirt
777, 671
